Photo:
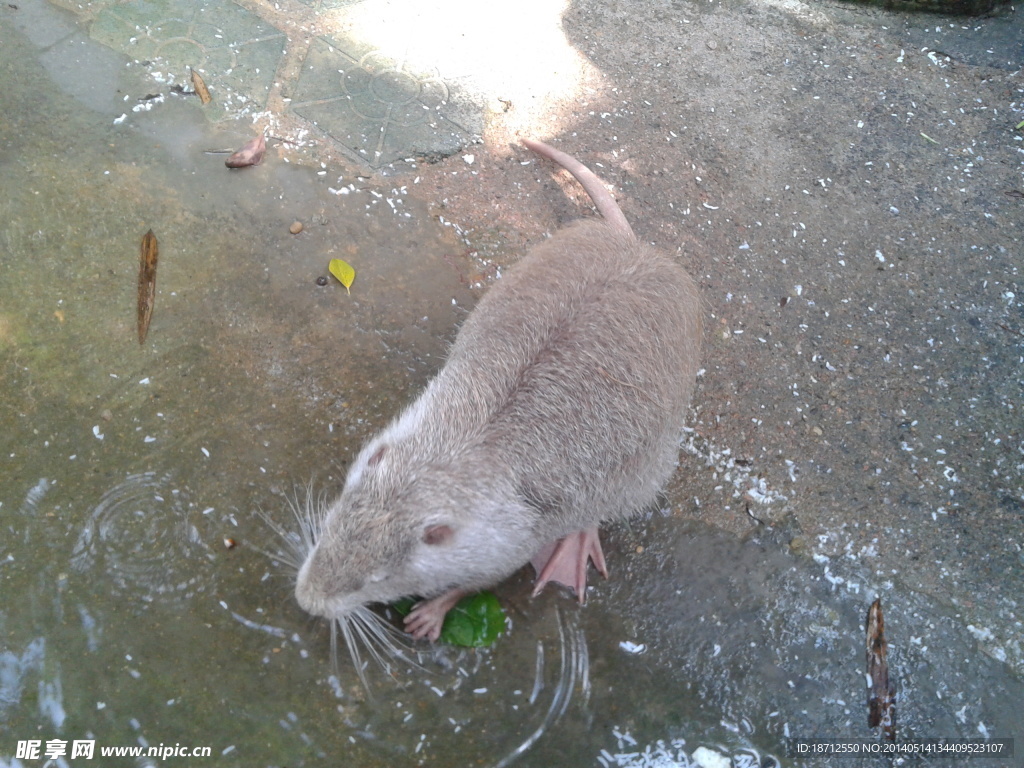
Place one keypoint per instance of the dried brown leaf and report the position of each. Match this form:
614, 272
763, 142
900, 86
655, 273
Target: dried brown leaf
881, 692
148, 255
251, 153
200, 85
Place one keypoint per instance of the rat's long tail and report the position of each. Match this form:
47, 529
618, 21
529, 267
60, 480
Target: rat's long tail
590, 182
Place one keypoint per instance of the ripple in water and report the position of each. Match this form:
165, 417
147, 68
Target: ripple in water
143, 538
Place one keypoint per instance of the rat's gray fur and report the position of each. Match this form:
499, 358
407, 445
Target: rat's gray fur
560, 407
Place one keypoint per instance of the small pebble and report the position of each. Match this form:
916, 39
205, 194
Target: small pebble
295, 228
322, 280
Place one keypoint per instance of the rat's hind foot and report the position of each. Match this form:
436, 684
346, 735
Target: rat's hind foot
565, 562
427, 617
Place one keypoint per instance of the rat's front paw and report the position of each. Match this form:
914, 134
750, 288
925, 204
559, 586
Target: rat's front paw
426, 618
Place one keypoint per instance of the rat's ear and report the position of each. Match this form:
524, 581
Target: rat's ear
437, 534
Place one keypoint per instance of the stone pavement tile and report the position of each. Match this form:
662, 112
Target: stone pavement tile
235, 50
378, 107
373, 106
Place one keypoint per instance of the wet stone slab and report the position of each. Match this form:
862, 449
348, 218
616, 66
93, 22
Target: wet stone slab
379, 107
216, 38
375, 106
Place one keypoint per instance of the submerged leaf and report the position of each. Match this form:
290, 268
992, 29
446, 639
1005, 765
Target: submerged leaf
200, 85
881, 690
474, 622
251, 153
404, 605
148, 255
343, 271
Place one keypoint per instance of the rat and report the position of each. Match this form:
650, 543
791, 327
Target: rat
560, 407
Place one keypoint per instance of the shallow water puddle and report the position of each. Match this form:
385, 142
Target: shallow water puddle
138, 605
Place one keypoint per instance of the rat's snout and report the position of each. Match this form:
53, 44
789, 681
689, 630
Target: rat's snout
322, 590
305, 593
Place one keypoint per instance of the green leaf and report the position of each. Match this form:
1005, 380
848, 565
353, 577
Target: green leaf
474, 622
404, 605
343, 271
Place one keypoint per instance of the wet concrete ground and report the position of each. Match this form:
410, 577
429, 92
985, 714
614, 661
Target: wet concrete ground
845, 186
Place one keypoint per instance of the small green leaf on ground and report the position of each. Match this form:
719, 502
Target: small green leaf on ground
475, 621
343, 271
